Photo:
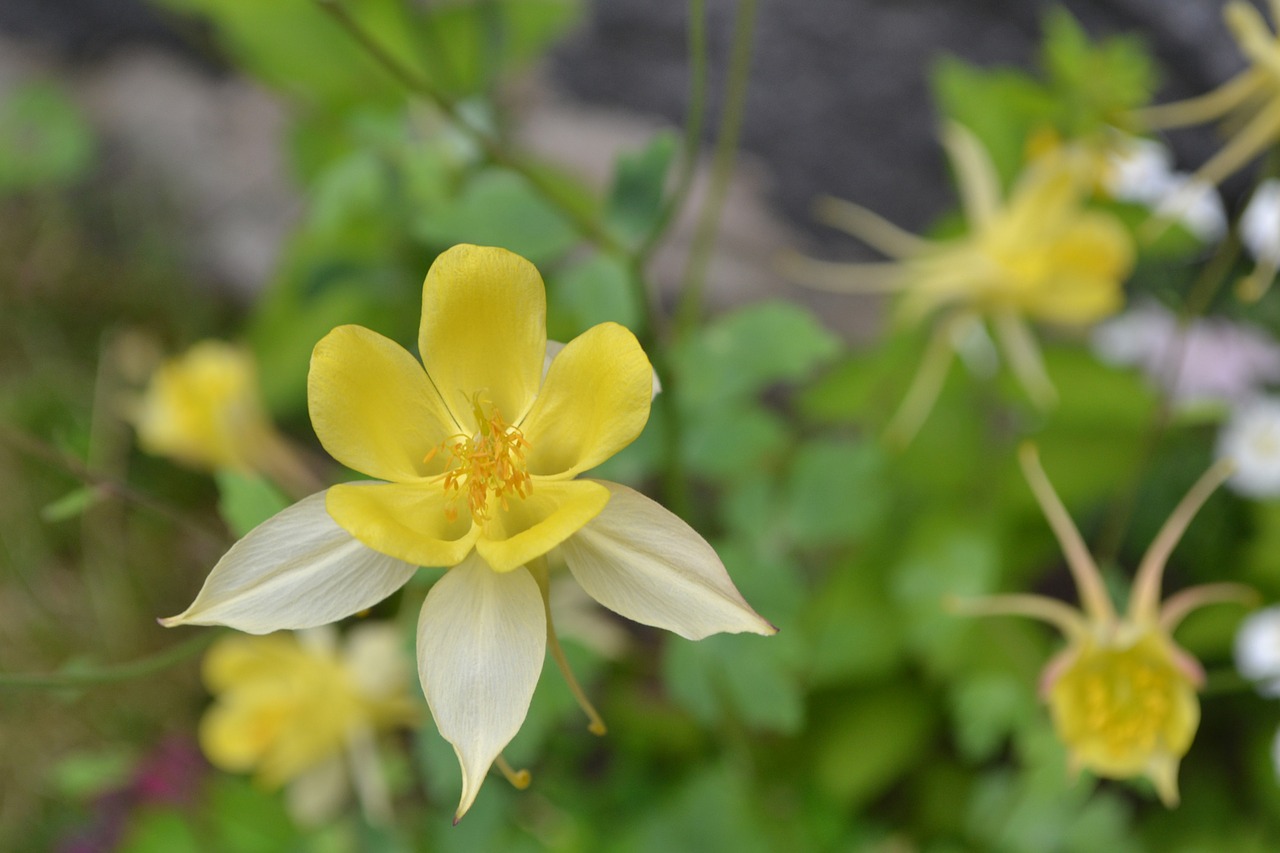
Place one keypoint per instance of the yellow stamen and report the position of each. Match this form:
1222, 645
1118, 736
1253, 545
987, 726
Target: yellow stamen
488, 466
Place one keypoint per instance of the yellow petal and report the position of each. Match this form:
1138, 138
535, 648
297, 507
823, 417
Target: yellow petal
484, 331
408, 521
373, 407
530, 527
237, 659
1091, 260
594, 402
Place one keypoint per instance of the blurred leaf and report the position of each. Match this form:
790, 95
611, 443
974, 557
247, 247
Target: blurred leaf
594, 290
1097, 85
499, 208
728, 443
247, 818
874, 740
710, 812
246, 500
1001, 106
71, 504
161, 831
83, 775
744, 352
946, 557
986, 709
753, 676
44, 140
836, 491
636, 198
856, 633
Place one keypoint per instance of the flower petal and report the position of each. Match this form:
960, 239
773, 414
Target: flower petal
484, 330
373, 407
298, 569
530, 527
405, 520
643, 562
481, 642
594, 402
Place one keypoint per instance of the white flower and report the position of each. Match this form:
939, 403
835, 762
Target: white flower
1260, 223
1141, 171
1251, 438
1257, 650
1211, 361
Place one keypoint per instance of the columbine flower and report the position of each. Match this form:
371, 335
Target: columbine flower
1248, 102
1257, 650
1251, 438
475, 460
1260, 234
1122, 694
303, 711
1039, 255
203, 409
1203, 362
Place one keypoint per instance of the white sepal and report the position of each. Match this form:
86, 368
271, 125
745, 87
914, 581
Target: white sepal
643, 562
298, 569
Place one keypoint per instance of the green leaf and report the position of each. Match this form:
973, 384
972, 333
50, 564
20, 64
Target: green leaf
749, 678
499, 208
160, 831
855, 631
246, 500
591, 291
836, 491
727, 444
742, 353
636, 198
1096, 84
44, 140
1001, 106
873, 741
71, 504
82, 775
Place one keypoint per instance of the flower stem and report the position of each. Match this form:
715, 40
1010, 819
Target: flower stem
689, 309
140, 668
494, 149
519, 779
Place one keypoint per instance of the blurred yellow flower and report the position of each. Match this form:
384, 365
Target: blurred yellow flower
476, 451
203, 409
1249, 103
1122, 694
1039, 255
302, 710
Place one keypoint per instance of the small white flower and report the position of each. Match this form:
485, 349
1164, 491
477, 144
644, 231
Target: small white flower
1207, 362
1139, 170
1195, 205
1252, 439
1260, 223
1257, 650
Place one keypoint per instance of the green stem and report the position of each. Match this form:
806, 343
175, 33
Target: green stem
108, 486
695, 119
1206, 286
689, 309
140, 668
419, 85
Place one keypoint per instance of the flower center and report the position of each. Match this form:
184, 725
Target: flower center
1122, 702
488, 466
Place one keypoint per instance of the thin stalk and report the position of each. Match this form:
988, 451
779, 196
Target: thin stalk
689, 309
419, 85
140, 668
695, 119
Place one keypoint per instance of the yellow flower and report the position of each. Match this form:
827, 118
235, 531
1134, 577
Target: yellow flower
203, 409
1249, 102
475, 459
1122, 694
1039, 255
300, 710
